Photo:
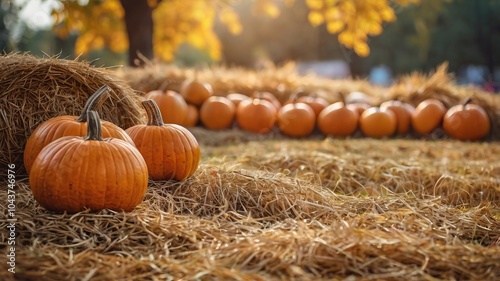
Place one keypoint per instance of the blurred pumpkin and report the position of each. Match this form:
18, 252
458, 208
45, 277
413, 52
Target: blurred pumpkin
67, 125
296, 119
316, 102
466, 121
337, 120
359, 107
256, 115
170, 150
74, 173
357, 97
427, 116
192, 116
217, 113
236, 98
376, 122
403, 112
195, 91
172, 105
268, 97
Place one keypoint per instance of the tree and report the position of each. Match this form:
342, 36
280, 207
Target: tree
151, 28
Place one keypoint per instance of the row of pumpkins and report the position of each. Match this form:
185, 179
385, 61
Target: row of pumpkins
82, 162
301, 114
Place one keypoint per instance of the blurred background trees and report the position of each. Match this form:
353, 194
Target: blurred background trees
465, 33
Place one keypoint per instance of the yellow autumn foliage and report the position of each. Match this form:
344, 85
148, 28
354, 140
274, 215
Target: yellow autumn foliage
354, 20
100, 23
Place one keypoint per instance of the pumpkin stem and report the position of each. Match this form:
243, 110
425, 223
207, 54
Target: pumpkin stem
467, 101
94, 128
153, 113
342, 97
94, 101
297, 94
164, 85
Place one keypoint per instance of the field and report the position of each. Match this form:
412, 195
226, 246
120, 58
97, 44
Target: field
263, 209
268, 207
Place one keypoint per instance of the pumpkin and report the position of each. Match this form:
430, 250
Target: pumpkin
75, 173
170, 150
192, 116
296, 119
316, 102
359, 107
195, 91
377, 122
67, 125
256, 115
466, 121
172, 105
357, 97
217, 113
427, 116
338, 120
403, 112
268, 97
236, 98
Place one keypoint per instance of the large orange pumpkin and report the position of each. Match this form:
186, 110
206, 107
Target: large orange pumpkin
67, 125
338, 120
466, 121
170, 150
376, 122
428, 116
172, 105
403, 112
195, 91
74, 173
256, 115
217, 113
296, 119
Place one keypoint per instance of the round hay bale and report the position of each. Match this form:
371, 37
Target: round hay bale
33, 90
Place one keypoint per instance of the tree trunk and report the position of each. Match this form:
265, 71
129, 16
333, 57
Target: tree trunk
139, 24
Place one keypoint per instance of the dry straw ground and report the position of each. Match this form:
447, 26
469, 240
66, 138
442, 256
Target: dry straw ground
272, 208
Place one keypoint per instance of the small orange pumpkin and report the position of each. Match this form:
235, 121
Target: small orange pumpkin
376, 122
316, 102
67, 125
338, 120
192, 116
217, 113
359, 107
296, 119
170, 150
256, 115
403, 112
73, 173
172, 105
269, 97
427, 116
236, 98
195, 91
466, 121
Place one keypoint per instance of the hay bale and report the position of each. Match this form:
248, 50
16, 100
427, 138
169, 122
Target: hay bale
282, 81
33, 90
